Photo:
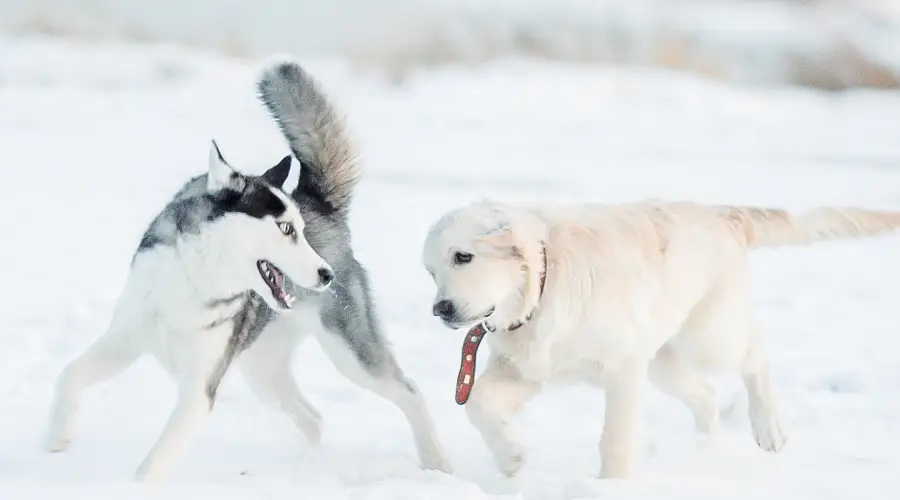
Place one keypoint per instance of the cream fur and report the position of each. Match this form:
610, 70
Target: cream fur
635, 292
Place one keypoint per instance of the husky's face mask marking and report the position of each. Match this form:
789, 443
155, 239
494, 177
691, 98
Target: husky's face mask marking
265, 229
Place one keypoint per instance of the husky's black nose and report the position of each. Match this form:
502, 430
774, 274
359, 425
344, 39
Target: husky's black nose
325, 276
444, 309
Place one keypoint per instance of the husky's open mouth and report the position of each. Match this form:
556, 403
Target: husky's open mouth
275, 279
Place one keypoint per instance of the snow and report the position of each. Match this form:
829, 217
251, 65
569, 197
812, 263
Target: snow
95, 138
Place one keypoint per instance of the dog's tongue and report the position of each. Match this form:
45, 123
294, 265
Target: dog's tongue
466, 378
278, 278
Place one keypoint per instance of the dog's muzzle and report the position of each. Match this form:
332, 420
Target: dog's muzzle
445, 310
449, 314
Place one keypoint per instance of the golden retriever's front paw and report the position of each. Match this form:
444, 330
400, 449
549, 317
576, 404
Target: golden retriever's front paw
512, 464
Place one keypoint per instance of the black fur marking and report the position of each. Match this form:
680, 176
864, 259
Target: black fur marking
219, 153
248, 323
256, 200
226, 301
410, 388
148, 241
308, 191
277, 175
193, 206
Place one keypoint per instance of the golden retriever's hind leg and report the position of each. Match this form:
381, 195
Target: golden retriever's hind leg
764, 419
679, 379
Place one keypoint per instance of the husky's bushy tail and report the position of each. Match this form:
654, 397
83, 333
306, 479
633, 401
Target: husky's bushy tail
768, 227
315, 131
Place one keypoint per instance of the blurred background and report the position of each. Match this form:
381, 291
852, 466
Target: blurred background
107, 107
831, 44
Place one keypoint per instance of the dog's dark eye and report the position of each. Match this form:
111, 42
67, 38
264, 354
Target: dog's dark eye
460, 258
286, 227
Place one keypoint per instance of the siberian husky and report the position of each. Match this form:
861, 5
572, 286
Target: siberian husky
212, 269
343, 318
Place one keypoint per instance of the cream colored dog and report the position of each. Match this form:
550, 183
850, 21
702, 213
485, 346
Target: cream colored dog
636, 292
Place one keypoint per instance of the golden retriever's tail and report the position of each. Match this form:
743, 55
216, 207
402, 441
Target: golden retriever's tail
766, 227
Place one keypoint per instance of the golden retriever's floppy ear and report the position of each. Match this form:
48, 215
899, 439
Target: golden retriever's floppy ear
498, 240
524, 245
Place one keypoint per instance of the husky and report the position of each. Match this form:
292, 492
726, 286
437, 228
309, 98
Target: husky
614, 296
210, 272
343, 319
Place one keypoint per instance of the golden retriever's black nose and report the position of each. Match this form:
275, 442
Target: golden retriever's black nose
443, 309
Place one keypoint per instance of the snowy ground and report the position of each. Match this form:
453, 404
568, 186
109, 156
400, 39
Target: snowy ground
94, 139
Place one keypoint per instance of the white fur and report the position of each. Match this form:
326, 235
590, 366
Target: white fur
636, 292
220, 172
165, 310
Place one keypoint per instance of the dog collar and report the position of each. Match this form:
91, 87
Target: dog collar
518, 323
465, 380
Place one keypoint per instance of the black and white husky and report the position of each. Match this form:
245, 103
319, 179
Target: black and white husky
217, 270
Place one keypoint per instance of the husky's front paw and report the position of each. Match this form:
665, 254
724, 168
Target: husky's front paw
438, 463
313, 435
60, 433
431, 454
144, 476
149, 473
311, 427
56, 443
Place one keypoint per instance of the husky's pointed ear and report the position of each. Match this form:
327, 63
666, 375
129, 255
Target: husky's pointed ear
221, 175
278, 174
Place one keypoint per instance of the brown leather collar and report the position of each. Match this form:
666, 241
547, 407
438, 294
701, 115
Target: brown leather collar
518, 324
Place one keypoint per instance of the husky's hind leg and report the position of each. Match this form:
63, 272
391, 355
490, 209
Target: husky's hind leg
266, 367
388, 381
108, 356
351, 338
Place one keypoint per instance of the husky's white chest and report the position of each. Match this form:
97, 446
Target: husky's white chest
183, 335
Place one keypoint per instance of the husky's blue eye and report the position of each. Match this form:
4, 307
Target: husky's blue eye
460, 258
286, 227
